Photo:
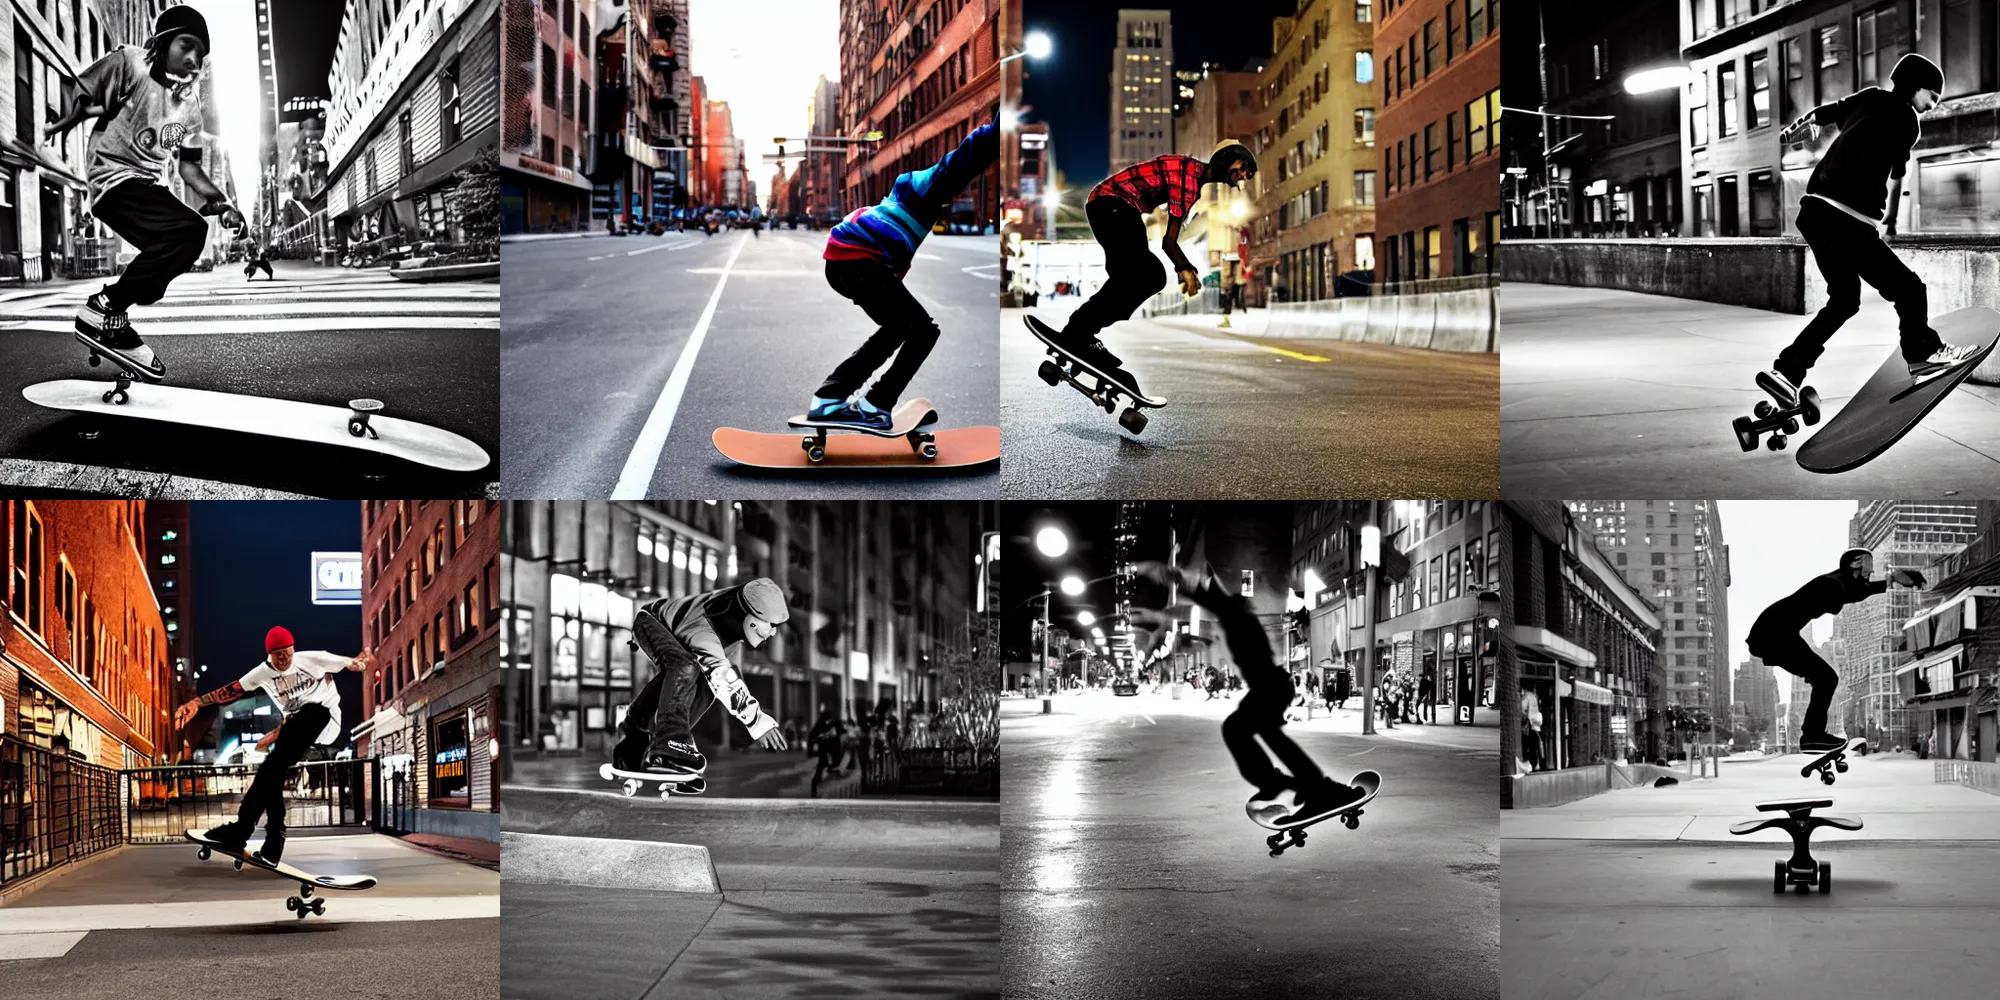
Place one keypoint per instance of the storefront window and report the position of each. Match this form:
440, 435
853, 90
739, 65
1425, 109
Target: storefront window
451, 782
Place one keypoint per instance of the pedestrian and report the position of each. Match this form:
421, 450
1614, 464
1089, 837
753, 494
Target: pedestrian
302, 685
867, 258
1343, 685
1302, 789
1427, 696
1844, 215
825, 741
688, 640
1406, 688
1774, 637
1386, 697
1117, 208
147, 102
254, 256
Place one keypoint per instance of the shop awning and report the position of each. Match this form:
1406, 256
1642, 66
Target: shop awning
439, 168
1549, 644
1583, 691
1941, 656
14, 153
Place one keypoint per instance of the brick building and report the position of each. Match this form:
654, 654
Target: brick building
1221, 104
545, 138
84, 649
925, 74
1437, 64
430, 610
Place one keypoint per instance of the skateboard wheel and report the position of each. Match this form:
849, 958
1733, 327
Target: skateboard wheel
1826, 777
929, 450
1809, 405
1825, 877
355, 426
291, 902
630, 787
1778, 879
806, 443
666, 791
1777, 442
604, 771
1351, 821
1791, 425
202, 854
319, 907
1744, 435
1764, 409
95, 360
816, 453
305, 892
1841, 767
1132, 420
1048, 371
239, 865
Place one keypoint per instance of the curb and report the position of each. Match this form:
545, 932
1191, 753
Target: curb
611, 864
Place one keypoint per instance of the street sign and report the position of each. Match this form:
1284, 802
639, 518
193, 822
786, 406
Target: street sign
336, 578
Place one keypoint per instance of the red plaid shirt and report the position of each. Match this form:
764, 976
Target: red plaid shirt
1173, 180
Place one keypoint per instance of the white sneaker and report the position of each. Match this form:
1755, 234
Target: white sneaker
1948, 357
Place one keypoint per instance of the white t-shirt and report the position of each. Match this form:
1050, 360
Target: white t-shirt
148, 125
309, 681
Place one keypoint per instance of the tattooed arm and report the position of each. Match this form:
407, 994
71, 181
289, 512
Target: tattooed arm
220, 696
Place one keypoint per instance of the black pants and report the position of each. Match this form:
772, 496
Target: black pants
170, 237
1131, 273
250, 269
296, 736
1795, 656
906, 330
1261, 713
1849, 252
675, 699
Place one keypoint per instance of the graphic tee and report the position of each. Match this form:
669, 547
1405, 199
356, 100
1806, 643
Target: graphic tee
144, 124
309, 681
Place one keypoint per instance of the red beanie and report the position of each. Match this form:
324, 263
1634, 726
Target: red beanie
276, 639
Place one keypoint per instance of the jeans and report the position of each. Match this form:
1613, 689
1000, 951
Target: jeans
266, 796
907, 331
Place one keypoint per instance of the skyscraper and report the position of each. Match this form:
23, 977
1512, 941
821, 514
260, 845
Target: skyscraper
1142, 88
1902, 534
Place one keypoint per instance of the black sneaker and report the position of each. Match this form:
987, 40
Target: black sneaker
1780, 387
1328, 796
234, 835
629, 754
850, 413
111, 333
1820, 742
674, 756
273, 848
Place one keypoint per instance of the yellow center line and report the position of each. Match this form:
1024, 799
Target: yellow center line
1293, 354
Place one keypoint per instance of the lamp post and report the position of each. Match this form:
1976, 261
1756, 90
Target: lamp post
1371, 558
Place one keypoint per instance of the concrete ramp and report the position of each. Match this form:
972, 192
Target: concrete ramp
621, 864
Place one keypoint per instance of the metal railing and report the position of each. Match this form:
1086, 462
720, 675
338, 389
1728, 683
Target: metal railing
54, 809
929, 770
161, 803
1981, 775
395, 800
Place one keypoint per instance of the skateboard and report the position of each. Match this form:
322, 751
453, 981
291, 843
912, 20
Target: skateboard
300, 904
950, 449
694, 784
358, 425
1062, 366
1800, 869
128, 372
1294, 835
905, 421
1776, 418
1891, 403
1830, 761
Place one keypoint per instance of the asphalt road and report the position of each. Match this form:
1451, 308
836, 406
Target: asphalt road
1131, 871
319, 335
819, 899
1251, 418
596, 328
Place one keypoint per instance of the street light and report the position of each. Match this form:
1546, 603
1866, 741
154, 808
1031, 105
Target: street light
1051, 542
1037, 46
1086, 619
1648, 81
1073, 585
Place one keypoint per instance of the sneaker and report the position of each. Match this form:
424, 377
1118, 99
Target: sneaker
1273, 803
856, 414
233, 835
1781, 387
1089, 350
1945, 359
111, 333
273, 849
674, 756
1820, 742
1328, 796
629, 754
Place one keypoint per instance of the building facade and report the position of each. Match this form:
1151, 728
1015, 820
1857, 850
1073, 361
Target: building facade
819, 176
431, 611
1142, 87
416, 100
85, 666
1948, 687
1755, 700
1903, 535
1220, 104
545, 139
924, 74
1438, 64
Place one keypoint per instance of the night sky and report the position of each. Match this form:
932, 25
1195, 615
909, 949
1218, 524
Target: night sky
1025, 571
253, 569
1071, 90
303, 34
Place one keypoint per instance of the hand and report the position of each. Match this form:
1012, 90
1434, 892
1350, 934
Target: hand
264, 745
185, 713
1190, 282
1907, 577
773, 740
232, 219
364, 659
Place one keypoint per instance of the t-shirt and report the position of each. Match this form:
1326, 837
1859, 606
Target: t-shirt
1877, 131
144, 124
1825, 594
309, 681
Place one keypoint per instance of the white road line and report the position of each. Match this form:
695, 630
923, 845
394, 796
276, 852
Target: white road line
645, 457
754, 274
314, 324
600, 257
650, 249
341, 907
995, 268
54, 944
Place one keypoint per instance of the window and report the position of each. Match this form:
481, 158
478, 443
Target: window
1451, 32
1831, 82
1878, 41
1364, 11
25, 572
1963, 23
1431, 151
1796, 97
449, 107
1698, 110
1476, 139
1364, 249
1431, 43
405, 155
1364, 126
451, 782
1364, 67
1760, 89
548, 76
1475, 22
1364, 189
24, 86
1732, 102
1433, 249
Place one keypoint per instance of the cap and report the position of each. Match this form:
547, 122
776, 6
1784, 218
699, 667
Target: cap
182, 19
278, 638
763, 598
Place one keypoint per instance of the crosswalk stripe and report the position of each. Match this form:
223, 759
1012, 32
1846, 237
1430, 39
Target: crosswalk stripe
303, 324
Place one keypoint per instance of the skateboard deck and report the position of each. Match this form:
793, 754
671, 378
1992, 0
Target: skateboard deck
1777, 419
302, 903
358, 425
1830, 761
1891, 403
1062, 366
955, 448
1291, 835
632, 781
904, 422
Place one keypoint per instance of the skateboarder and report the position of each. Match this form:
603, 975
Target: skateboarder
254, 257
1839, 216
301, 685
1775, 637
148, 107
1117, 209
867, 255
688, 640
1306, 790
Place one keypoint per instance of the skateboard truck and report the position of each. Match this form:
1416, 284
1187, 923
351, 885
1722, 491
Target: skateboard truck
358, 412
1105, 395
1291, 837
301, 903
126, 376
1779, 421
814, 444
1798, 821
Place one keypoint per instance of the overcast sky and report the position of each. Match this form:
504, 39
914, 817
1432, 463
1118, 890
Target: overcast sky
239, 100
1775, 546
764, 59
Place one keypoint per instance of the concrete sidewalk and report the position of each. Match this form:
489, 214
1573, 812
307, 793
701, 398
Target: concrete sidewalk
1606, 391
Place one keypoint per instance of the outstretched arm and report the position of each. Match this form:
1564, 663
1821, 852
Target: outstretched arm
199, 182
220, 696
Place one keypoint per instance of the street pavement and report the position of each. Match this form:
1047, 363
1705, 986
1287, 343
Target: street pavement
1249, 417
316, 334
1131, 871
1643, 891
732, 774
621, 356
154, 921
1605, 391
855, 898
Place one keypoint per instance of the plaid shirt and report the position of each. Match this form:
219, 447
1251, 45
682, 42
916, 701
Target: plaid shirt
1172, 180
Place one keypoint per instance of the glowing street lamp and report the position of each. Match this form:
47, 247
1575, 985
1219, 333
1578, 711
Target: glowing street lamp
1072, 585
1648, 81
1051, 542
1037, 46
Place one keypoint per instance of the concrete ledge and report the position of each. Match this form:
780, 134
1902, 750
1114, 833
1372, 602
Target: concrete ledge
620, 864
1762, 273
